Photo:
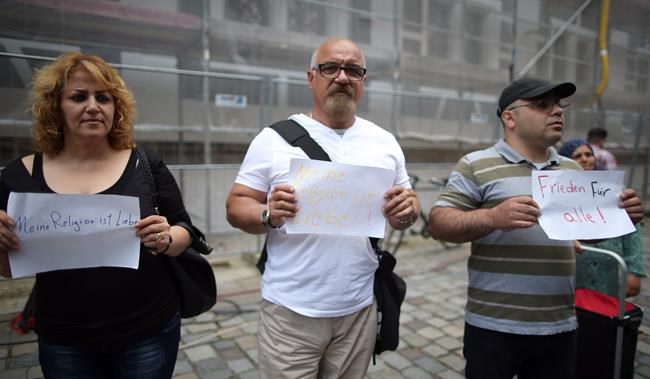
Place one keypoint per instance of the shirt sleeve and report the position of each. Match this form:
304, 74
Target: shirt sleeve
461, 190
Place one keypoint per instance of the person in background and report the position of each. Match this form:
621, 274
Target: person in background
520, 317
605, 160
318, 317
101, 322
595, 271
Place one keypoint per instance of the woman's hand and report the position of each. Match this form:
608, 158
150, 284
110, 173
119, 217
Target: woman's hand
8, 242
154, 233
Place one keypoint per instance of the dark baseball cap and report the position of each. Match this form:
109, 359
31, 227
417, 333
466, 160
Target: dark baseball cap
528, 88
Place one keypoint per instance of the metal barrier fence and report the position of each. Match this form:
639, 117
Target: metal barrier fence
207, 208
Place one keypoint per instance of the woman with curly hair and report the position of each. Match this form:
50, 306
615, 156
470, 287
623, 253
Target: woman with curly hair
99, 322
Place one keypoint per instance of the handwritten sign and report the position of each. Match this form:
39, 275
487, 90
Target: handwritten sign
336, 198
580, 204
73, 231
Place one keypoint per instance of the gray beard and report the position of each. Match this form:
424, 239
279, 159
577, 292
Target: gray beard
340, 107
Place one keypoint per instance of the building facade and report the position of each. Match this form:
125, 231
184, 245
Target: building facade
209, 74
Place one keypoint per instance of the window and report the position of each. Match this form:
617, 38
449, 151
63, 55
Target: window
473, 26
248, 11
306, 18
361, 24
440, 14
413, 11
642, 76
440, 19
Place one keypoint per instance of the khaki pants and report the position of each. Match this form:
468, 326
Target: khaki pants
294, 346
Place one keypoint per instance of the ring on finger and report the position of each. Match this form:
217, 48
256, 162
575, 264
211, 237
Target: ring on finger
159, 237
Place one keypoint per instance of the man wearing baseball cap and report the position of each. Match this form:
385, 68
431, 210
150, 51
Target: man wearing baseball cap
519, 318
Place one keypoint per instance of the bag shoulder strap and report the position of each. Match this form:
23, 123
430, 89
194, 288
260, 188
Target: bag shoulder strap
296, 135
143, 161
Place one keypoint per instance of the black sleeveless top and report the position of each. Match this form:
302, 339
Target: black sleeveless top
106, 305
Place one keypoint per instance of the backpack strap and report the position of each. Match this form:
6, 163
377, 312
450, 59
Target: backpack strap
296, 135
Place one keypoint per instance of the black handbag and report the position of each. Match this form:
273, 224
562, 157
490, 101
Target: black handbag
389, 288
193, 275
390, 291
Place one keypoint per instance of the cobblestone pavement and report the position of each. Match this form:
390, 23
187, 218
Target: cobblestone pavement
222, 344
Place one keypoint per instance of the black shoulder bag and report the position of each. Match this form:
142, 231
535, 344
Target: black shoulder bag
390, 288
192, 273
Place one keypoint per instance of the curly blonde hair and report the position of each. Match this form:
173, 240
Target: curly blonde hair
45, 96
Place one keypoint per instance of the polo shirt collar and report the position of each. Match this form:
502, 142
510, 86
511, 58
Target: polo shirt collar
511, 155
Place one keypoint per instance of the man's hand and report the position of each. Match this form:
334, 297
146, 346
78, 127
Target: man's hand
402, 207
283, 204
515, 213
632, 205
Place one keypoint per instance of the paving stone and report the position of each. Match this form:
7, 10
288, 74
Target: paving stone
252, 355
34, 372
24, 348
453, 361
224, 344
643, 347
437, 322
643, 359
415, 340
210, 365
253, 374
448, 374
410, 354
414, 325
644, 371
435, 350
417, 301
429, 364
454, 330
416, 373
379, 365
205, 317
19, 373
231, 353
395, 360
24, 360
421, 314
240, 365
449, 343
221, 374
190, 375
198, 353
182, 367
430, 333
246, 342
201, 327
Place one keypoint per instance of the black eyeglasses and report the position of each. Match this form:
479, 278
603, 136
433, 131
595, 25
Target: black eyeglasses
331, 70
544, 105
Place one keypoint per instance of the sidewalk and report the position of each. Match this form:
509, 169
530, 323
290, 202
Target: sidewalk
222, 343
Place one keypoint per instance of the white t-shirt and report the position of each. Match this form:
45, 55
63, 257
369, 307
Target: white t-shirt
319, 275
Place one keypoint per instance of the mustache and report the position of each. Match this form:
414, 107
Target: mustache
338, 88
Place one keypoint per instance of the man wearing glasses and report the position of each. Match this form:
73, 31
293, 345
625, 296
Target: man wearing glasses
519, 317
318, 318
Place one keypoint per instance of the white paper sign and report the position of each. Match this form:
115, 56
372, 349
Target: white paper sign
580, 204
336, 198
73, 231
